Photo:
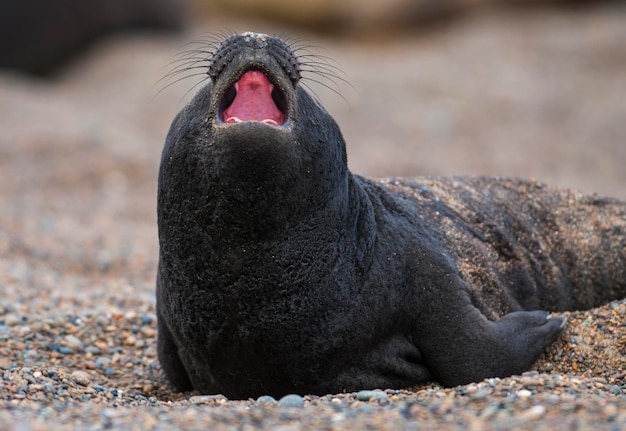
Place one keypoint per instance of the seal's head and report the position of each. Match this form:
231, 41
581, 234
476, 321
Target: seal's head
252, 143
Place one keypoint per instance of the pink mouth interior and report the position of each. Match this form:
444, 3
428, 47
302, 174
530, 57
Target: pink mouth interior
253, 101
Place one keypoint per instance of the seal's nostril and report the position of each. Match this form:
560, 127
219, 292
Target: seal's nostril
261, 37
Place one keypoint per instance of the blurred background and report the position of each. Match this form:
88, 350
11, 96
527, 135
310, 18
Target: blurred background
535, 89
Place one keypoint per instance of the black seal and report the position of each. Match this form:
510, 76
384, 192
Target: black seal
280, 271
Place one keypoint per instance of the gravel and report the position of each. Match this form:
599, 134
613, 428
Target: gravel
78, 162
110, 378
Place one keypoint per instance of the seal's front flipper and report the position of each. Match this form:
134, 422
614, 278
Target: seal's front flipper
522, 336
467, 347
169, 358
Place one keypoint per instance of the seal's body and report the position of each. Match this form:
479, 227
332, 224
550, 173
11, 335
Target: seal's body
280, 271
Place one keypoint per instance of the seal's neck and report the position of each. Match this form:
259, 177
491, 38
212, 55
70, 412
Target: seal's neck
261, 180
267, 202
295, 226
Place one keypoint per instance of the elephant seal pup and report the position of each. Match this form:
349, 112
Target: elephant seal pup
280, 271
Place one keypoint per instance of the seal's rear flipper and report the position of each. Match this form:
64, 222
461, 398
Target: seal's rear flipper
467, 347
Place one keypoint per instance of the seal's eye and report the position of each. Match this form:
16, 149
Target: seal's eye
254, 98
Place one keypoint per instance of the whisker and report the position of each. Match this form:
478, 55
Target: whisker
189, 62
314, 93
202, 81
323, 84
194, 61
169, 84
324, 67
183, 68
170, 80
321, 69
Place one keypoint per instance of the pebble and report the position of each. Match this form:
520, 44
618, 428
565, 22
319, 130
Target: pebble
367, 395
471, 389
12, 320
80, 377
533, 413
266, 400
207, 399
73, 342
291, 400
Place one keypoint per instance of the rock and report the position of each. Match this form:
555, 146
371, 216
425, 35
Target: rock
266, 400
291, 400
80, 377
206, 399
12, 320
73, 342
367, 395
533, 413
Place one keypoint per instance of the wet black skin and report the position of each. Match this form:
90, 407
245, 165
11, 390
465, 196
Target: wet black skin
282, 272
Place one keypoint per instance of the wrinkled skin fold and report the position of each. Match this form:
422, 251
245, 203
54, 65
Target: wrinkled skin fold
281, 272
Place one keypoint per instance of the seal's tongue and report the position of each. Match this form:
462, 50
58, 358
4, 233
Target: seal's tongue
253, 101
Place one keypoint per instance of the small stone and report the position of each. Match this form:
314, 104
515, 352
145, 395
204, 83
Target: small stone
102, 361
266, 400
367, 395
533, 413
130, 340
73, 342
489, 411
90, 365
149, 422
291, 400
80, 377
481, 394
531, 381
524, 393
130, 315
148, 331
205, 399
553, 399
48, 388
12, 320
610, 410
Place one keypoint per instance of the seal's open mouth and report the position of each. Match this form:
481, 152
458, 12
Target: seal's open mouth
254, 98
